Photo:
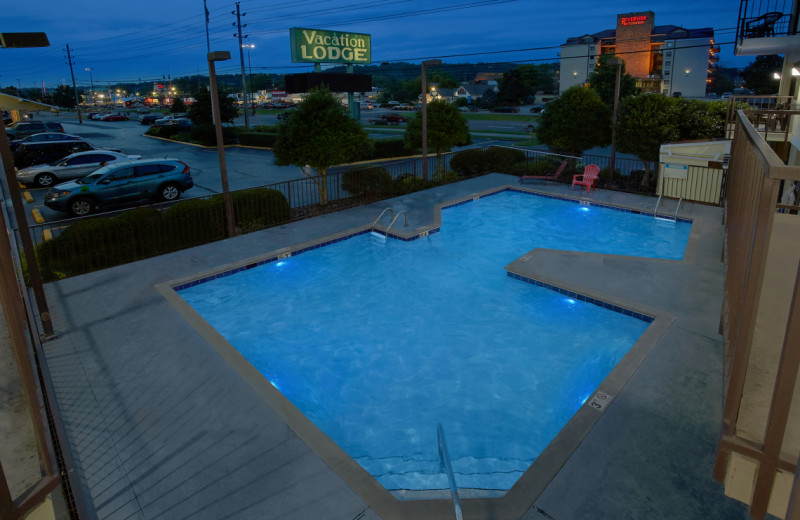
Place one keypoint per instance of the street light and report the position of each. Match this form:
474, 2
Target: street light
425, 117
223, 169
89, 69
250, 67
618, 63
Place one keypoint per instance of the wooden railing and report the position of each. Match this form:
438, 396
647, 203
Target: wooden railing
769, 114
756, 180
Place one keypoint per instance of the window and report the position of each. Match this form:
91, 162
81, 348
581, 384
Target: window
666, 73
667, 63
119, 175
86, 159
151, 169
666, 82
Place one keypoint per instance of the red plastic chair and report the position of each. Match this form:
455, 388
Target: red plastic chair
545, 178
587, 178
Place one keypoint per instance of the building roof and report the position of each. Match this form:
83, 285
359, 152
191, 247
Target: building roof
17, 103
666, 32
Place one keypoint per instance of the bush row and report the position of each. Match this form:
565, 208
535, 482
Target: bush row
101, 242
376, 182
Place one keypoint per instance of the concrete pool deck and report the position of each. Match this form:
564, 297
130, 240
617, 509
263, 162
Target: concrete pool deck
161, 427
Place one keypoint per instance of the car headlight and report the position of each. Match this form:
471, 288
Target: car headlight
60, 193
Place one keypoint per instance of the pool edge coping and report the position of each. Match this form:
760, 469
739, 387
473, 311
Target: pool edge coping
535, 479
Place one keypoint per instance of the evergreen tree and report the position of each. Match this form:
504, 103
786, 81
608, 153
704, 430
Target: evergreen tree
320, 134
575, 121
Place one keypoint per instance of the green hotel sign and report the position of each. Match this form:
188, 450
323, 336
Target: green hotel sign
316, 46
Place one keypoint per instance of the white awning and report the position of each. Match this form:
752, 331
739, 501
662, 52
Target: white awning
17, 103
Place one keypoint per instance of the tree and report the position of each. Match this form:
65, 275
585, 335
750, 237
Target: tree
200, 111
644, 123
446, 128
488, 99
178, 107
64, 96
722, 79
575, 121
520, 84
697, 119
604, 78
759, 75
320, 134
513, 90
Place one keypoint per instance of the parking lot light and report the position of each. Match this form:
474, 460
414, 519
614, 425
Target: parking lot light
425, 118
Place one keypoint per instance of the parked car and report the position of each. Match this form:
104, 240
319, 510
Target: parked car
98, 116
28, 154
389, 119
149, 119
169, 120
538, 108
7, 117
122, 183
43, 137
115, 117
22, 129
72, 166
726, 95
284, 116
507, 110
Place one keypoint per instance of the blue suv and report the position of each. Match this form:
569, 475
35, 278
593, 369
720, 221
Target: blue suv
115, 184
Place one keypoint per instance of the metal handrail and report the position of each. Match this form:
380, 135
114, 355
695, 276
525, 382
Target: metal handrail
395, 220
391, 216
448, 468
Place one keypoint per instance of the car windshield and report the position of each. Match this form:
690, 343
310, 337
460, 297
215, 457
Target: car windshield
94, 176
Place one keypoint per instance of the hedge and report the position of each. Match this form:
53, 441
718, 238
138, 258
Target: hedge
263, 139
371, 183
474, 162
101, 242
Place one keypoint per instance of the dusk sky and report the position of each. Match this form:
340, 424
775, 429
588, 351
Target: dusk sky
149, 40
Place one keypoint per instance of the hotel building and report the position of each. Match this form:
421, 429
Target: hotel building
663, 58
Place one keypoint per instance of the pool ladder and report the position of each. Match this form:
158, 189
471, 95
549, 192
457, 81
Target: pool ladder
677, 209
444, 455
393, 218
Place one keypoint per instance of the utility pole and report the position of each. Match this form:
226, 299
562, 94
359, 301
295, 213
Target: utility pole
74, 88
208, 41
239, 26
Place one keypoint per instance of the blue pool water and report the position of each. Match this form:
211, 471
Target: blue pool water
378, 341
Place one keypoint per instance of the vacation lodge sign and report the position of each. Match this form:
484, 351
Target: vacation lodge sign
317, 46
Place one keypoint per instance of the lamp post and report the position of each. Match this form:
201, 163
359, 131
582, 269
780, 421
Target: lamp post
223, 169
617, 62
91, 81
425, 117
250, 73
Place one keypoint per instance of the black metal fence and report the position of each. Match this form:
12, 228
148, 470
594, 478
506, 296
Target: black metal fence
75, 246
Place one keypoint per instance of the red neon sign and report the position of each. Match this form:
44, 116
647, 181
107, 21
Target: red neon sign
634, 20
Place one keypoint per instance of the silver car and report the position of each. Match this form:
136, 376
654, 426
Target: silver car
72, 166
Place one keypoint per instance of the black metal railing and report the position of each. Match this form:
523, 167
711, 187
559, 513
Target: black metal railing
75, 246
764, 19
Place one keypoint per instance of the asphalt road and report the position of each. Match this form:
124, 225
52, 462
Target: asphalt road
246, 167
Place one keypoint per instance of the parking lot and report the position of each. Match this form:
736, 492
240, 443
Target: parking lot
246, 167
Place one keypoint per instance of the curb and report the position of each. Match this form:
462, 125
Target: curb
28, 196
37, 216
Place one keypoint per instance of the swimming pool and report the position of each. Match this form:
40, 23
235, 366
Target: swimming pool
377, 341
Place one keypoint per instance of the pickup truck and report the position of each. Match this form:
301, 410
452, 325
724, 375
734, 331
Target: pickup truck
389, 119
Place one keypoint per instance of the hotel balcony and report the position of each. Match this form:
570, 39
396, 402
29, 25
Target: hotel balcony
760, 439
767, 28
774, 118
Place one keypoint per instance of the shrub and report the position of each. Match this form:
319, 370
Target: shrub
261, 139
258, 208
196, 221
374, 182
206, 135
502, 159
469, 163
267, 129
97, 243
384, 148
408, 183
165, 132
445, 177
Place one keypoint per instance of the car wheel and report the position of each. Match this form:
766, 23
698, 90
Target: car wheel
44, 180
81, 206
169, 192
